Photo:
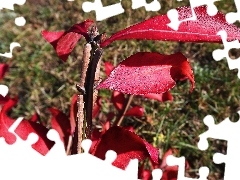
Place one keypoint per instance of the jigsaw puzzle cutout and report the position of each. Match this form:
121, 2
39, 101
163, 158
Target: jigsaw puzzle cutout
180, 162
219, 54
9, 4
174, 17
232, 17
19, 21
12, 46
153, 6
22, 152
3, 90
101, 11
104, 12
20, 157
229, 131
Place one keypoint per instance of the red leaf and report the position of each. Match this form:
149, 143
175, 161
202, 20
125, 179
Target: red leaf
3, 100
82, 28
64, 42
170, 172
135, 111
144, 174
61, 124
118, 100
167, 96
97, 106
6, 122
3, 69
126, 144
108, 68
23, 130
73, 113
204, 29
97, 134
35, 117
145, 72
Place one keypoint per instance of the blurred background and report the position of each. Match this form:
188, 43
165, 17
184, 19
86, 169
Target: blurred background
41, 80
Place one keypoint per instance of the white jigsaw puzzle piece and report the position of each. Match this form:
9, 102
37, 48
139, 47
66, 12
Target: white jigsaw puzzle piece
103, 12
174, 17
9, 4
3, 90
180, 162
12, 46
229, 131
153, 6
219, 54
232, 17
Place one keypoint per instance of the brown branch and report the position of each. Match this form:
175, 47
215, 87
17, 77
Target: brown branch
121, 114
79, 130
89, 83
69, 145
80, 119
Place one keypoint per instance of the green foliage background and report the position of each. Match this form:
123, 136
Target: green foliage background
41, 80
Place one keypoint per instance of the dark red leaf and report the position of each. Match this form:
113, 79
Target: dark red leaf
23, 130
61, 124
35, 117
145, 72
108, 68
43, 145
97, 107
167, 96
3, 69
170, 172
64, 42
73, 113
3, 100
126, 144
97, 134
144, 174
82, 28
6, 122
204, 29
137, 111
118, 100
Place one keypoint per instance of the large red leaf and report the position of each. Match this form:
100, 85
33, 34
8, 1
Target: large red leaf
23, 130
61, 124
64, 42
144, 73
126, 144
3, 69
204, 29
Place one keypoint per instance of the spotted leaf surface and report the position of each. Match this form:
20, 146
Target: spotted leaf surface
204, 29
145, 72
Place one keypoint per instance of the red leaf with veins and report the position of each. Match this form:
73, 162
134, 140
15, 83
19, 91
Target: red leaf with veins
61, 124
145, 72
126, 144
64, 42
204, 29
135, 111
3, 69
23, 130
